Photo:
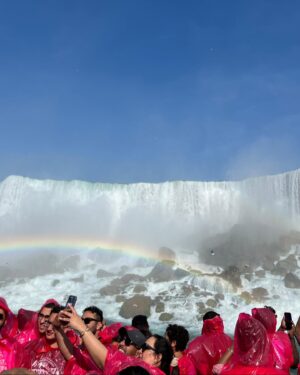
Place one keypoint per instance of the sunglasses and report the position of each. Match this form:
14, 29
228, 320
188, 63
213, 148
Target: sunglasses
89, 320
146, 346
2, 316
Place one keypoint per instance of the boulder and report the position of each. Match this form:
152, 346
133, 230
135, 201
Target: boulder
127, 279
260, 273
110, 290
165, 317
161, 272
102, 273
291, 281
55, 282
79, 279
259, 294
233, 275
211, 303
166, 253
137, 305
160, 307
139, 288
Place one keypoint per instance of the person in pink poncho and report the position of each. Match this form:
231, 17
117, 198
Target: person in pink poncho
155, 354
32, 325
207, 349
8, 330
43, 355
282, 343
178, 338
253, 352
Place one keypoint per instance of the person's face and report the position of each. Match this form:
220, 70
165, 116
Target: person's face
90, 320
2, 318
149, 354
127, 347
50, 334
43, 318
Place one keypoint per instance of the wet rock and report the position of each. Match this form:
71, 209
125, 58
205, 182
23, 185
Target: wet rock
201, 307
137, 305
120, 298
127, 279
110, 290
211, 303
268, 262
166, 253
289, 263
247, 297
165, 317
259, 294
233, 275
180, 273
139, 288
160, 307
219, 296
160, 273
260, 273
291, 281
248, 276
278, 270
55, 282
78, 279
102, 273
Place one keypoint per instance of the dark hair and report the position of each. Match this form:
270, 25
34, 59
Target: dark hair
210, 315
57, 309
140, 322
271, 308
134, 370
178, 334
95, 310
163, 347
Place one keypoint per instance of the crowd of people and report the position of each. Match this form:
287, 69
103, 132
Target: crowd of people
56, 340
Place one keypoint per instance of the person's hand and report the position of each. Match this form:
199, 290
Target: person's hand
292, 331
70, 317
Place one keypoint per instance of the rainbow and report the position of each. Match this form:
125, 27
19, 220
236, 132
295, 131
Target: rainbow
75, 243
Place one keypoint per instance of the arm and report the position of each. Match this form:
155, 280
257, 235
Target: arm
292, 334
96, 349
63, 342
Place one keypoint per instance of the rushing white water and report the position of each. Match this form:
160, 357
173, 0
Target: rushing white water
241, 220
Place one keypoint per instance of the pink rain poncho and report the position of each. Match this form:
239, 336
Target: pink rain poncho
117, 361
282, 347
42, 359
28, 323
207, 349
109, 333
185, 366
8, 344
253, 353
81, 363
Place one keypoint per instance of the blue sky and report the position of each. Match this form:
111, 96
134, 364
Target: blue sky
128, 91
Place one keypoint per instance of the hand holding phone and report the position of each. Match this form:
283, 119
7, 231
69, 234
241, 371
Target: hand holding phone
71, 301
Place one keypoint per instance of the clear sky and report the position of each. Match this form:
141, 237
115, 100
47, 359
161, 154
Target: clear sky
149, 90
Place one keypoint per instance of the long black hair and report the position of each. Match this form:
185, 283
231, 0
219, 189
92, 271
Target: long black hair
163, 347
